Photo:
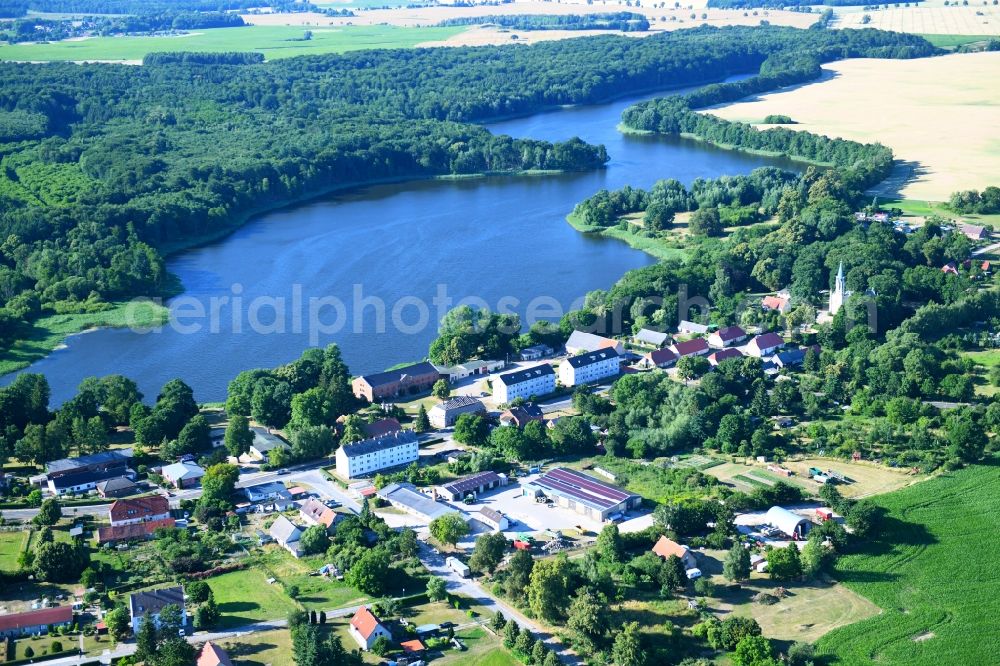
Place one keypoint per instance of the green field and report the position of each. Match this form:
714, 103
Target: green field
930, 571
986, 360
245, 597
953, 41
11, 545
928, 208
273, 41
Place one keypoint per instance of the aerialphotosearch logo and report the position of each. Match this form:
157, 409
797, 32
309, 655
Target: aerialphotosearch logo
321, 317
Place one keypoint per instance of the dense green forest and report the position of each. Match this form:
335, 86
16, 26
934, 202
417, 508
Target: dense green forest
968, 202
623, 21
102, 164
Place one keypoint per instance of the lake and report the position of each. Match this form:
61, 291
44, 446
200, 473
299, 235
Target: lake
373, 269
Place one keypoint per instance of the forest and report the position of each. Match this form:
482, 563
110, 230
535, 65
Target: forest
102, 165
779, 4
623, 21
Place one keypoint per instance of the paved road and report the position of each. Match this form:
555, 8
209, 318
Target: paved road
470, 588
986, 250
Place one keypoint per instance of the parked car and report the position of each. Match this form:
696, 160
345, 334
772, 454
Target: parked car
283, 470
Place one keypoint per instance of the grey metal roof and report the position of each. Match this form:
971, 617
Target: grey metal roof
518, 376
459, 402
264, 441
374, 444
465, 484
407, 495
651, 337
102, 458
590, 358
284, 530
153, 601
390, 376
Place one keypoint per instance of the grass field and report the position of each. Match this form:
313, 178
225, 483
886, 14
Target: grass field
985, 361
245, 597
273, 41
913, 95
11, 545
47, 333
919, 208
953, 41
932, 570
866, 478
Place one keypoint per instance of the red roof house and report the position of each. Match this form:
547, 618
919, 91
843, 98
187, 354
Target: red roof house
659, 358
34, 622
764, 344
365, 628
139, 509
718, 357
727, 336
212, 655
693, 347
132, 531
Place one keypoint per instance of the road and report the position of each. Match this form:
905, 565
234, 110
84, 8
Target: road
470, 588
986, 250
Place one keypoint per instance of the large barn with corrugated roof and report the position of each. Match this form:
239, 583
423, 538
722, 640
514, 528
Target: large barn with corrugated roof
583, 493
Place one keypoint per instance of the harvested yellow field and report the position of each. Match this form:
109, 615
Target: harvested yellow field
692, 14
866, 478
930, 18
939, 115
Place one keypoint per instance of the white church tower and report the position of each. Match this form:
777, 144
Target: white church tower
839, 295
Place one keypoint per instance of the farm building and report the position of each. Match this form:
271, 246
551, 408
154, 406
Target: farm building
35, 622
535, 353
660, 358
580, 342
492, 519
715, 358
650, 338
409, 380
690, 328
582, 493
405, 497
692, 347
724, 337
790, 524
765, 344
121, 486
474, 485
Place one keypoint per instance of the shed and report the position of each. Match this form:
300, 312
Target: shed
790, 524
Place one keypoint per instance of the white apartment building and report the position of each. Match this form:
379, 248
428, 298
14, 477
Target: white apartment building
375, 454
536, 381
591, 367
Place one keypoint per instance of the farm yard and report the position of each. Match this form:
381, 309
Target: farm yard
930, 572
966, 156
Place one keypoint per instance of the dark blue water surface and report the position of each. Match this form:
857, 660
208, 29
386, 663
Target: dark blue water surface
500, 239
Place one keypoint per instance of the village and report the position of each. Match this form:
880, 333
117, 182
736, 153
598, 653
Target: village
410, 478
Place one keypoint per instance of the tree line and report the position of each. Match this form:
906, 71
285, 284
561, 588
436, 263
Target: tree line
18, 8
622, 21
44, 29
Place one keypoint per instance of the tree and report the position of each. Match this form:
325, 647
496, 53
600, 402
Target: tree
706, 222
60, 562
967, 438
219, 482
369, 573
207, 614
737, 564
471, 429
49, 513
449, 528
627, 649
174, 651
551, 659
437, 589
727, 634
196, 435
539, 652
572, 434
197, 591
498, 622
145, 641
381, 646
488, 552
588, 619
518, 574
524, 643
609, 544
784, 563
549, 588
238, 437
314, 540
422, 422
863, 518
816, 557
754, 651
510, 633
673, 575
119, 623
441, 389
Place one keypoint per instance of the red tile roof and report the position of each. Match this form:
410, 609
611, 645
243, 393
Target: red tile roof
661, 356
364, 622
690, 347
666, 547
139, 507
132, 530
723, 354
212, 655
383, 427
768, 341
412, 646
774, 303
36, 618
730, 333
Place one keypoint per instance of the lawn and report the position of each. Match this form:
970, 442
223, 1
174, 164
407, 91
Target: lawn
245, 597
985, 361
930, 571
273, 41
11, 545
919, 208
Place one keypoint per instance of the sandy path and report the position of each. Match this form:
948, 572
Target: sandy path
937, 114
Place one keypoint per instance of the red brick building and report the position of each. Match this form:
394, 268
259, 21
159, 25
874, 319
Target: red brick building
410, 380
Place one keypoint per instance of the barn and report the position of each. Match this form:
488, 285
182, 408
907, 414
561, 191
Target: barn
790, 524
